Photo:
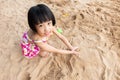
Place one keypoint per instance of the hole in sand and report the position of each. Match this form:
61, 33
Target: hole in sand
74, 17
82, 16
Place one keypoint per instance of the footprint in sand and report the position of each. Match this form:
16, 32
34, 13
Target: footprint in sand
82, 16
98, 9
24, 76
74, 17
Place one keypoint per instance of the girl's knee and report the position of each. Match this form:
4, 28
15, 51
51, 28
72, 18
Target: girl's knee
44, 54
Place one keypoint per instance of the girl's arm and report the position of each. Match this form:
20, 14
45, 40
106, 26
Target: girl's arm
63, 39
46, 47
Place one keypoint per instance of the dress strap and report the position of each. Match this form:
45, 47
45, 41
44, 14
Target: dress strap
43, 40
28, 37
38, 41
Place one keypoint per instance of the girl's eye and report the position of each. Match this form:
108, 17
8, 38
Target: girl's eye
40, 25
49, 23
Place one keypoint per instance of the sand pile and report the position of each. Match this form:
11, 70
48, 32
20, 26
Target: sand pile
92, 25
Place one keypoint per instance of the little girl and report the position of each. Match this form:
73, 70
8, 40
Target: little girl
41, 22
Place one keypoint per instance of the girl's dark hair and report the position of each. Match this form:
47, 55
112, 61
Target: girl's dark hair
39, 14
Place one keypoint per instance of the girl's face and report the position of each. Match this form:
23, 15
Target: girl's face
45, 28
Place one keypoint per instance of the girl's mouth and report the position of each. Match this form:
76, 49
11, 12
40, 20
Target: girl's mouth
47, 33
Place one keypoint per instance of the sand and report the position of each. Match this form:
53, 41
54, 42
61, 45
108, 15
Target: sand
92, 25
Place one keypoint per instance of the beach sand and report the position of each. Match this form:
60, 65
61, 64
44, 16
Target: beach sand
92, 25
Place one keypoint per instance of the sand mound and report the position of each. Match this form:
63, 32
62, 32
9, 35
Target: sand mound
92, 25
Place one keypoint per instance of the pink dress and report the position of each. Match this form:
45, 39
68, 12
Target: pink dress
29, 48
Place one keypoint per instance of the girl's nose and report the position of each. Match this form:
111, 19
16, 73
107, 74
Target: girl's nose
47, 28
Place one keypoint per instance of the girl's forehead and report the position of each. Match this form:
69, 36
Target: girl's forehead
44, 22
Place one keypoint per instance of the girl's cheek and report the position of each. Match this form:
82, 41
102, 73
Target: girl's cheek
42, 31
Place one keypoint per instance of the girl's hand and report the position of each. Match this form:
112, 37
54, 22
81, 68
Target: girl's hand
74, 48
76, 53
